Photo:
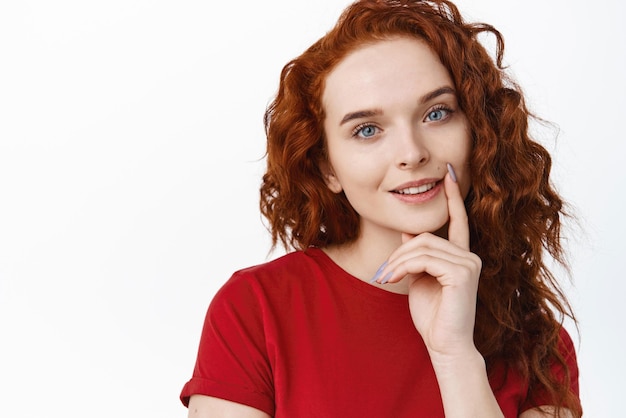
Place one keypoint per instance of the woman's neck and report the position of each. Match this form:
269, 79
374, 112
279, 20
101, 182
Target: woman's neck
362, 257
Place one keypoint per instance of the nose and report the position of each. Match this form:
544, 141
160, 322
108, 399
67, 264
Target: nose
411, 150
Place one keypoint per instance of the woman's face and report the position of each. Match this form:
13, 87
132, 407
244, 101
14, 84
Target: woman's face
392, 123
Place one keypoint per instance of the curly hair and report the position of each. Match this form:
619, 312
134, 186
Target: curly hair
514, 212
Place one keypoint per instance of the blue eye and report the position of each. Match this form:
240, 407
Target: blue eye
368, 131
365, 131
437, 115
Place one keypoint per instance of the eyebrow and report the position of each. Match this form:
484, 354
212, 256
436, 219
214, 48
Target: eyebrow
436, 93
377, 112
360, 114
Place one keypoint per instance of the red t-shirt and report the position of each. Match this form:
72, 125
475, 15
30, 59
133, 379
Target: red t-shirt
300, 337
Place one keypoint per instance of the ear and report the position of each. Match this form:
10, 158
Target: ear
330, 178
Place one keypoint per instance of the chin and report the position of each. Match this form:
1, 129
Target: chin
440, 229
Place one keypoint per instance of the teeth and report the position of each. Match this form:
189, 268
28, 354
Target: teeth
417, 190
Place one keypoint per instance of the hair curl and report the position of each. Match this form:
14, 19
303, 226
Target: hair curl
514, 212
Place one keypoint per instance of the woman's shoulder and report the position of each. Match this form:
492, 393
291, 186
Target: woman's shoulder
264, 287
300, 261
276, 273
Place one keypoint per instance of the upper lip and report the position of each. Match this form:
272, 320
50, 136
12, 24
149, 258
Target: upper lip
415, 183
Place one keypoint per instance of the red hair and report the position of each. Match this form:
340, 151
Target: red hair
514, 212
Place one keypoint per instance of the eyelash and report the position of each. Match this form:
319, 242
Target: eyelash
449, 111
360, 127
445, 108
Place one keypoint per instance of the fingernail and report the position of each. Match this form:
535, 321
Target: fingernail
452, 173
387, 277
380, 270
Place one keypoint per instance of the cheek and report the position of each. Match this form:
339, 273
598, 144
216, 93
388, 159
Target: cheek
356, 169
462, 165
466, 182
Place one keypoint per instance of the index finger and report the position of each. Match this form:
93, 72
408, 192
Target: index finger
458, 226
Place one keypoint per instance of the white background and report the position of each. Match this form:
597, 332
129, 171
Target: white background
131, 147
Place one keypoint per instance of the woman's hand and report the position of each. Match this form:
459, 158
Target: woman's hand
443, 278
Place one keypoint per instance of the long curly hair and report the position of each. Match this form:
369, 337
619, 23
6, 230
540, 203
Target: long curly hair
514, 212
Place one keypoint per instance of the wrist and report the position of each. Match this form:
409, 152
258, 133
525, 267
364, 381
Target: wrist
468, 357
464, 385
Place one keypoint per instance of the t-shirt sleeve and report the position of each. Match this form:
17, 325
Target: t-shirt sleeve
232, 360
540, 396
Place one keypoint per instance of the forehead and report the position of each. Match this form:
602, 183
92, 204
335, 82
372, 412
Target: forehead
383, 72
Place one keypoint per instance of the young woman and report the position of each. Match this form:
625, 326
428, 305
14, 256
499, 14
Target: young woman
400, 170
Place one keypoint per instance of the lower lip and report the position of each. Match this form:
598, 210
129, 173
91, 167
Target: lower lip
421, 197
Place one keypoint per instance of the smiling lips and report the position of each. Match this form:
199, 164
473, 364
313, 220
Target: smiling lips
419, 192
417, 189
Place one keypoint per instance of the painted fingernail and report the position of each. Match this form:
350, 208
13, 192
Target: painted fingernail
380, 270
452, 173
387, 277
